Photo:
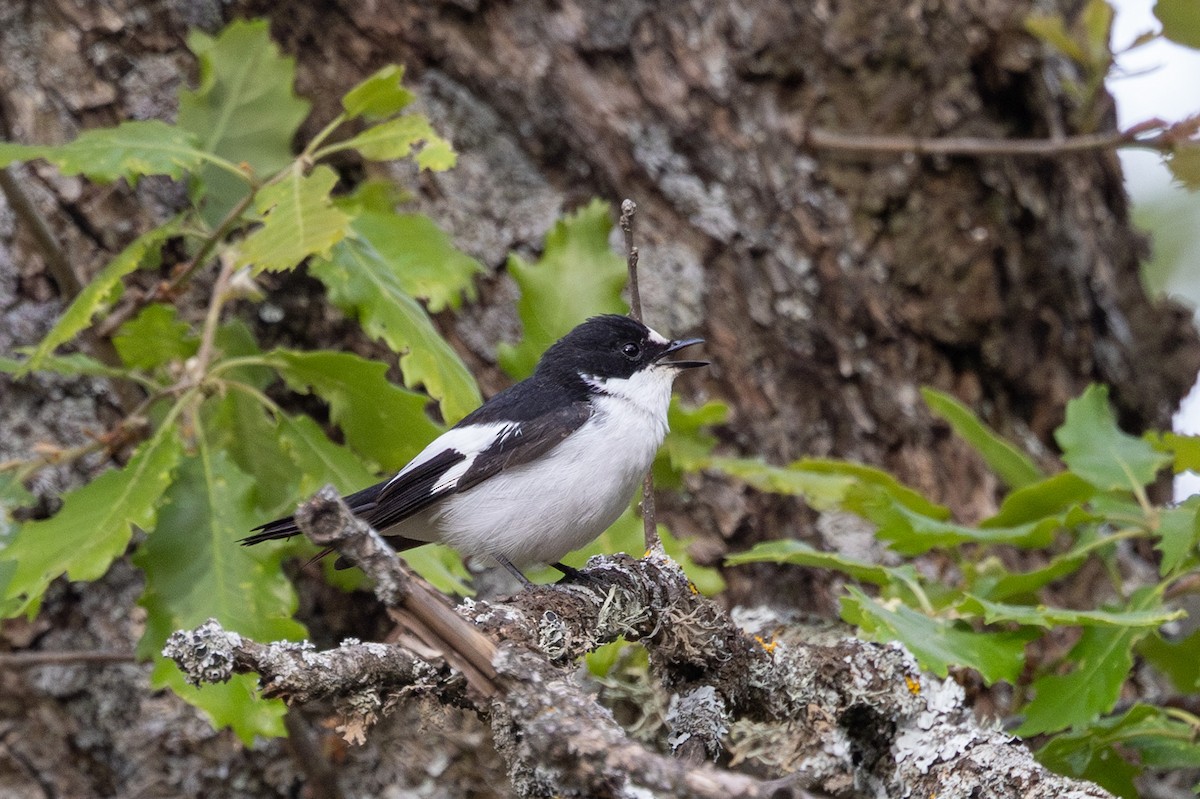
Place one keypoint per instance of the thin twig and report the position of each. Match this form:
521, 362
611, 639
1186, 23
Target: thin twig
63, 657
649, 522
1167, 137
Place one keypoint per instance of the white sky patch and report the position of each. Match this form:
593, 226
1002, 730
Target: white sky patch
1158, 80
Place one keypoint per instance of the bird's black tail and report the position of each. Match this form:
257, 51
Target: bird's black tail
360, 503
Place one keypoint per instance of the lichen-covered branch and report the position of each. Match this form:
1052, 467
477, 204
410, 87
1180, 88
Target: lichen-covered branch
833, 713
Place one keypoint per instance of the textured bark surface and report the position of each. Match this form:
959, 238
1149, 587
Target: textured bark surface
830, 288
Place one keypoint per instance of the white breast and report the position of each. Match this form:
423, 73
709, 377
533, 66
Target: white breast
538, 512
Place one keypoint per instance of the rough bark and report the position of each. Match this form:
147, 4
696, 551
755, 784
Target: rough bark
845, 716
830, 287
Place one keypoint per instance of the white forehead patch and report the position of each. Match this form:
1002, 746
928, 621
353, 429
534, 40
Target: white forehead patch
657, 337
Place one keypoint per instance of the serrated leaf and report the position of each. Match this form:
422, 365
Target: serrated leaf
937, 643
1176, 659
1178, 534
72, 365
1098, 451
1050, 497
299, 220
802, 554
155, 337
1186, 450
320, 461
993, 580
238, 424
1101, 662
1184, 163
688, 446
94, 525
195, 571
367, 285
398, 137
1011, 465
382, 421
378, 96
1100, 751
234, 704
1180, 20
873, 480
423, 259
129, 150
244, 109
101, 292
821, 491
578, 276
1042, 616
912, 533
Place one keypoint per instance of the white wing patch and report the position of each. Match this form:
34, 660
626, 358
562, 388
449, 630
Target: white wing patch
470, 441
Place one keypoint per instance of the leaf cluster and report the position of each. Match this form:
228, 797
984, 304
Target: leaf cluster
969, 606
218, 456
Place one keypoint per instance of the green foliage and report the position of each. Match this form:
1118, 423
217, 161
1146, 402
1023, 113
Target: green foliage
1180, 20
1011, 465
1098, 451
101, 293
376, 276
1149, 735
129, 151
577, 276
220, 456
94, 525
299, 219
993, 618
244, 111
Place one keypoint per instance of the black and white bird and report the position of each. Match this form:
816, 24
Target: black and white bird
543, 467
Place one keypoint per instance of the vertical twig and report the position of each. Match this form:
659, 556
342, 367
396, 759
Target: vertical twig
649, 523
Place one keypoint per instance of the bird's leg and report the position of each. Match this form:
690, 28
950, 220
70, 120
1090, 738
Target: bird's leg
514, 571
571, 573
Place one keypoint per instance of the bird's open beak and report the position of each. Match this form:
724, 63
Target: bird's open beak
675, 346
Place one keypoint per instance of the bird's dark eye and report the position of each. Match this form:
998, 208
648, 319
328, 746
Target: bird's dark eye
631, 351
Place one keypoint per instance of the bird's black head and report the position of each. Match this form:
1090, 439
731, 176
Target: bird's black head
612, 346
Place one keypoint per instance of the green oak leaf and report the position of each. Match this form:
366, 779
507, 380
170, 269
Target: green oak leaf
378, 96
422, 259
1052, 496
94, 525
1041, 616
195, 571
578, 276
397, 138
1101, 661
366, 284
129, 150
802, 554
1098, 451
1176, 659
155, 337
938, 643
299, 220
1178, 531
380, 420
244, 109
102, 291
1011, 465
1180, 20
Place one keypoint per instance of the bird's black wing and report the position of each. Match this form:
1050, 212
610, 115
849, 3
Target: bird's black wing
525, 442
382, 504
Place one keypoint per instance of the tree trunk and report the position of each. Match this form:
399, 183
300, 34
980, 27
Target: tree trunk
830, 285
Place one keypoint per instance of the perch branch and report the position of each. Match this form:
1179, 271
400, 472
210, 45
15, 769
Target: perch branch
840, 713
